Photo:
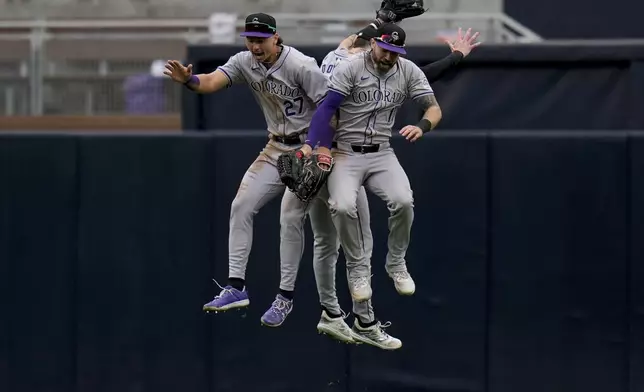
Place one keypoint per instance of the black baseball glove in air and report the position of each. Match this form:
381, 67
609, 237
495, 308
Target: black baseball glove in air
313, 176
402, 9
289, 167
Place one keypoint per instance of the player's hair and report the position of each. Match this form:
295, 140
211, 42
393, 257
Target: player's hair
360, 43
280, 41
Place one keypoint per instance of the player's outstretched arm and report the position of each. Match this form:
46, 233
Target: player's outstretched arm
431, 118
460, 47
202, 83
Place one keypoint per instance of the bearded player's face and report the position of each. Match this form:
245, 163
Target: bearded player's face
382, 58
262, 48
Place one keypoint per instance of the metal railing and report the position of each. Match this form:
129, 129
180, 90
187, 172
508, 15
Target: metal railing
83, 67
310, 28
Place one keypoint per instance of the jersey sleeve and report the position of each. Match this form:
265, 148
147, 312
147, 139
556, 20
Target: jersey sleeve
233, 69
417, 83
313, 81
329, 63
342, 53
342, 79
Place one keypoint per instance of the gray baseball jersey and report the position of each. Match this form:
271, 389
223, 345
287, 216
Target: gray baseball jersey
332, 59
368, 112
288, 92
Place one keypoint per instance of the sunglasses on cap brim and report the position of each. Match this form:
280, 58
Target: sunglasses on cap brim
390, 47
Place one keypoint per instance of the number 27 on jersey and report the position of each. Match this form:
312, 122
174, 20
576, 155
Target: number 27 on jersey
293, 107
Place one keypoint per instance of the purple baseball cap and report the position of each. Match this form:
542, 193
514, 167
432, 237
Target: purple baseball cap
260, 25
391, 37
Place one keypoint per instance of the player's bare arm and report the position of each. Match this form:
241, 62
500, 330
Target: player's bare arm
431, 118
202, 83
432, 109
347, 43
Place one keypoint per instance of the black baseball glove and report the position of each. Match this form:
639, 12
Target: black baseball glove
313, 176
401, 9
289, 167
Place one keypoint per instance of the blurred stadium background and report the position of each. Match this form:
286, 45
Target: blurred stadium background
97, 57
528, 244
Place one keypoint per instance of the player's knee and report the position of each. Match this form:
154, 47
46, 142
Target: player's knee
343, 208
401, 202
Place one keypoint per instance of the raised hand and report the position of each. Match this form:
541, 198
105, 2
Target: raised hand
463, 43
177, 72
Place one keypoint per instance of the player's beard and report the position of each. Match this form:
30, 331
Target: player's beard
384, 67
381, 66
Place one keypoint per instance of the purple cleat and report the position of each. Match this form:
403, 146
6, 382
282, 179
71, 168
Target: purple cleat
228, 298
277, 313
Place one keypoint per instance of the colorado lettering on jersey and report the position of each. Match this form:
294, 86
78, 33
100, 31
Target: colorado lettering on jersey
288, 92
279, 89
372, 99
374, 95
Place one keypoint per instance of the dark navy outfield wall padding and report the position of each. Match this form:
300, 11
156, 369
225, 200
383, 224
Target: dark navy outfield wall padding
526, 250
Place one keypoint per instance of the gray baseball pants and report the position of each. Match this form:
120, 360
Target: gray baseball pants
382, 174
260, 184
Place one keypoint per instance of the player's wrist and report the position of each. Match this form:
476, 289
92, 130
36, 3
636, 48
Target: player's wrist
425, 125
192, 83
458, 55
306, 150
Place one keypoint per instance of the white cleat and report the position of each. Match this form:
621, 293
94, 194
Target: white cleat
336, 328
375, 336
360, 288
404, 283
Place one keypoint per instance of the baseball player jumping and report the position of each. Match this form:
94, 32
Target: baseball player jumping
326, 244
366, 91
288, 86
